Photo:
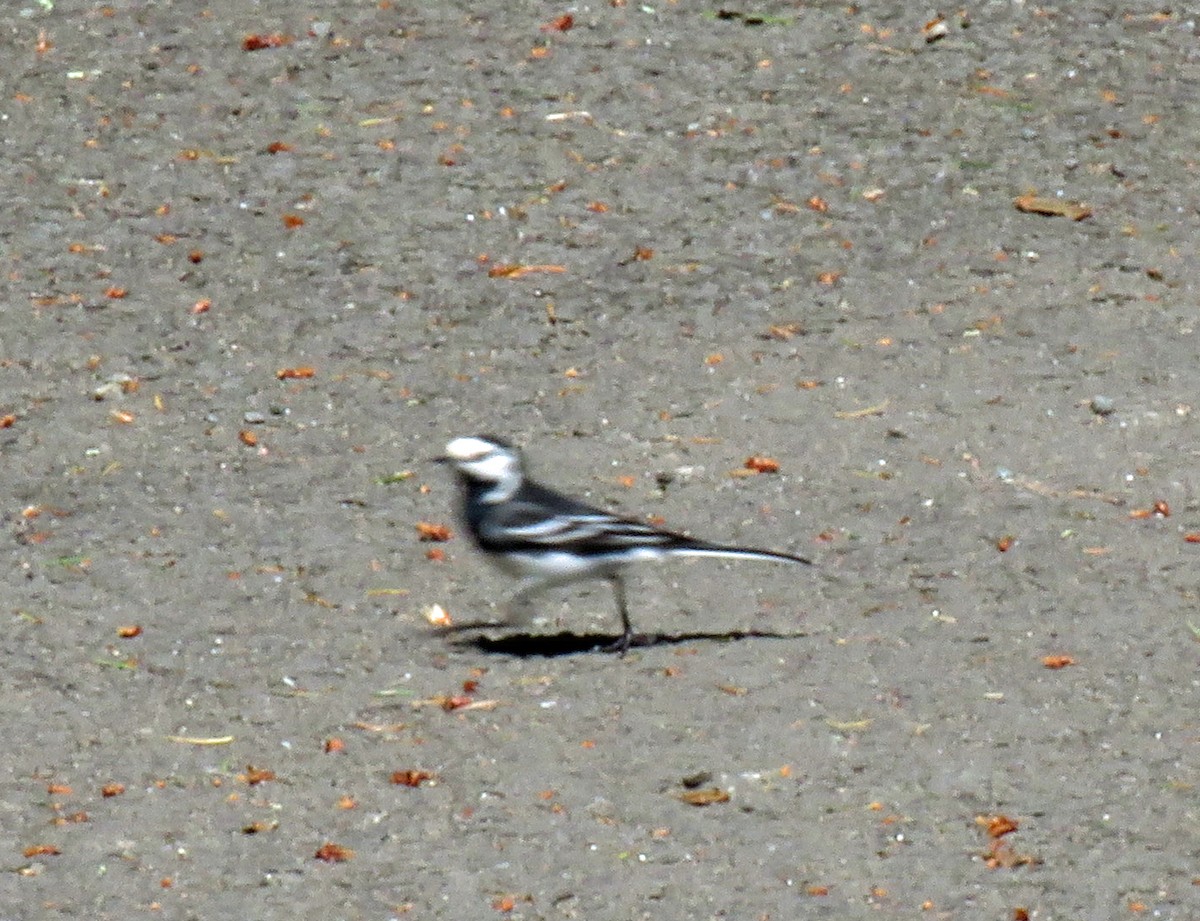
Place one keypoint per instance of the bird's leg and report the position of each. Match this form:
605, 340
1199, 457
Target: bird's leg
618, 586
516, 609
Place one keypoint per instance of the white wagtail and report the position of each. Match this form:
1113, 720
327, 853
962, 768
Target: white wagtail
550, 539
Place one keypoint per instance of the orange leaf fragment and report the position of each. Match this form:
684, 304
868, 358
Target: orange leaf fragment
333, 853
1004, 544
435, 532
997, 826
785, 331
1162, 509
934, 29
411, 778
116, 293
1058, 661
294, 374
201, 306
276, 147
519, 271
504, 903
129, 632
292, 221
109, 790
42, 850
1052, 207
333, 745
597, 207
451, 702
818, 204
706, 797
8, 421
817, 890
999, 856
58, 789
829, 278
561, 24
248, 438
256, 42
255, 776
1192, 537
760, 464
436, 554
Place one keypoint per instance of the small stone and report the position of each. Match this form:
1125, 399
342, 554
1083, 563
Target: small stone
1103, 406
253, 417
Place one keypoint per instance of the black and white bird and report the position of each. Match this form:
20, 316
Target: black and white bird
550, 539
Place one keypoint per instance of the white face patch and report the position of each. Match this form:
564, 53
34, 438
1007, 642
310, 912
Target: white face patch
491, 468
487, 462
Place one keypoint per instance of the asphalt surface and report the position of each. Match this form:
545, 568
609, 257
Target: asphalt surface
254, 285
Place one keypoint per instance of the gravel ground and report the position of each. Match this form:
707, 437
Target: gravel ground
645, 248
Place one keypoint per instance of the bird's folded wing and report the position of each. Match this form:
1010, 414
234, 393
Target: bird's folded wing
531, 528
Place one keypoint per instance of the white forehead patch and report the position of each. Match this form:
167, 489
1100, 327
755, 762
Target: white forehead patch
485, 461
469, 448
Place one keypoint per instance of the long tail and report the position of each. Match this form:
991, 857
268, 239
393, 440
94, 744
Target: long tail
739, 553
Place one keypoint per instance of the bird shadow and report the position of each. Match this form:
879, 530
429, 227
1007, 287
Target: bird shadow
524, 645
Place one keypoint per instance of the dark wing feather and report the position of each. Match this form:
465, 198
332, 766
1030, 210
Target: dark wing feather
537, 518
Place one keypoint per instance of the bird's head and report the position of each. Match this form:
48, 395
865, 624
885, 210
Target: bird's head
485, 461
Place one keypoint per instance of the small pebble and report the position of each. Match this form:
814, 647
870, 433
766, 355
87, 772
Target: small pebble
253, 417
1103, 406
